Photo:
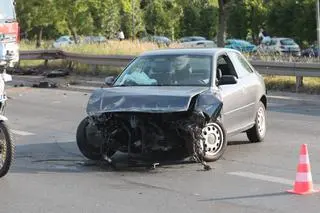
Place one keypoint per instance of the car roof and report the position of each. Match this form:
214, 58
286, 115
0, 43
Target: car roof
190, 51
238, 40
281, 38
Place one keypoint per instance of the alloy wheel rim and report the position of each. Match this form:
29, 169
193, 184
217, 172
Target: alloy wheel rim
213, 139
261, 121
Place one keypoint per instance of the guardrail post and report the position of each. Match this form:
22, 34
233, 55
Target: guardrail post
299, 83
94, 68
46, 63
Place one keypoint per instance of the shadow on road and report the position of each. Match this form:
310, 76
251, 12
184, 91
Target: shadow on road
65, 158
247, 197
235, 143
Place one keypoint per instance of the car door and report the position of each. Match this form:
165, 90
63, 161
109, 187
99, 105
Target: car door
233, 103
248, 82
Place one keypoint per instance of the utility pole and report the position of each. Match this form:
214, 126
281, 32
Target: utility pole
318, 26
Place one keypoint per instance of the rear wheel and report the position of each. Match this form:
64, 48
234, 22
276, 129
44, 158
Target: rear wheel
258, 131
6, 149
215, 142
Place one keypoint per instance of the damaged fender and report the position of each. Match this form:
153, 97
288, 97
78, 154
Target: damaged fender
210, 104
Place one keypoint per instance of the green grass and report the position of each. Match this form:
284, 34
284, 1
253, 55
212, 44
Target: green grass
31, 45
282, 83
311, 85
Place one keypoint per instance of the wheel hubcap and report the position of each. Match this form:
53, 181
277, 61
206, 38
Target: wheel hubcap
261, 121
213, 139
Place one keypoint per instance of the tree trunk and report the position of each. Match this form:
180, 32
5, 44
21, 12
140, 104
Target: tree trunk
222, 23
39, 38
73, 33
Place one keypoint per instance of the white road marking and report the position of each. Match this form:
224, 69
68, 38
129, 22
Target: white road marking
21, 133
266, 178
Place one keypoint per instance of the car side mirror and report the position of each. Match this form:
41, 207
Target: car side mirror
227, 80
109, 80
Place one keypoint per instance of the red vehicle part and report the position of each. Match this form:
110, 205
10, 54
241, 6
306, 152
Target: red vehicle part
10, 30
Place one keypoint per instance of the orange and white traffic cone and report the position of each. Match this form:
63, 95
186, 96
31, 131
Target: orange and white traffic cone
303, 184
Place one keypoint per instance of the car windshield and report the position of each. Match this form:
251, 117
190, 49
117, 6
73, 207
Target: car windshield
167, 70
7, 11
287, 42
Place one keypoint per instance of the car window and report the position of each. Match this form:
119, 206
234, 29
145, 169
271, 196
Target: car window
273, 42
241, 65
287, 42
225, 66
167, 70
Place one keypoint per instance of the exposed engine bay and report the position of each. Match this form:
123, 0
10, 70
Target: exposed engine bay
153, 127
147, 134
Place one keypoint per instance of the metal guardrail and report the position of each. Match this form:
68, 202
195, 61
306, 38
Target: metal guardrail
109, 60
263, 67
287, 68
299, 70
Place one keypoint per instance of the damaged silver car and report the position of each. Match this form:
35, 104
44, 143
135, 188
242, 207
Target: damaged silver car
175, 103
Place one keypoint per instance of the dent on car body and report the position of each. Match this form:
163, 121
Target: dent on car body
142, 99
161, 115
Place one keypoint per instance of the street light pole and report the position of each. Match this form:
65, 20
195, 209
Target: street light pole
318, 26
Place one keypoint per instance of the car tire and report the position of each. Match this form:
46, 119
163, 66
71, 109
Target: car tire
216, 132
257, 132
83, 142
8, 148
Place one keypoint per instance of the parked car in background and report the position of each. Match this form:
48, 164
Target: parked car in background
312, 51
191, 39
240, 45
94, 39
63, 41
281, 46
160, 40
196, 42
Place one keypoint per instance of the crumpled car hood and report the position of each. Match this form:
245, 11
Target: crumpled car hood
148, 99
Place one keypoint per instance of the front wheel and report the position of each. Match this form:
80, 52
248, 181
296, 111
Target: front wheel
215, 142
84, 140
258, 131
6, 149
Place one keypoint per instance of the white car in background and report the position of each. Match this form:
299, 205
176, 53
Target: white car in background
281, 46
196, 41
63, 41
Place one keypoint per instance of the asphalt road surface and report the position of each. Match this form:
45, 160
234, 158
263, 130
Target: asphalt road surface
50, 175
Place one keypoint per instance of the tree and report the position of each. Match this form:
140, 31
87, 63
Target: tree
237, 21
246, 16
223, 13
300, 26
106, 16
75, 14
199, 17
36, 15
131, 17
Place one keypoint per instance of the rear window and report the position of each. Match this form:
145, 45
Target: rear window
6, 10
287, 42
